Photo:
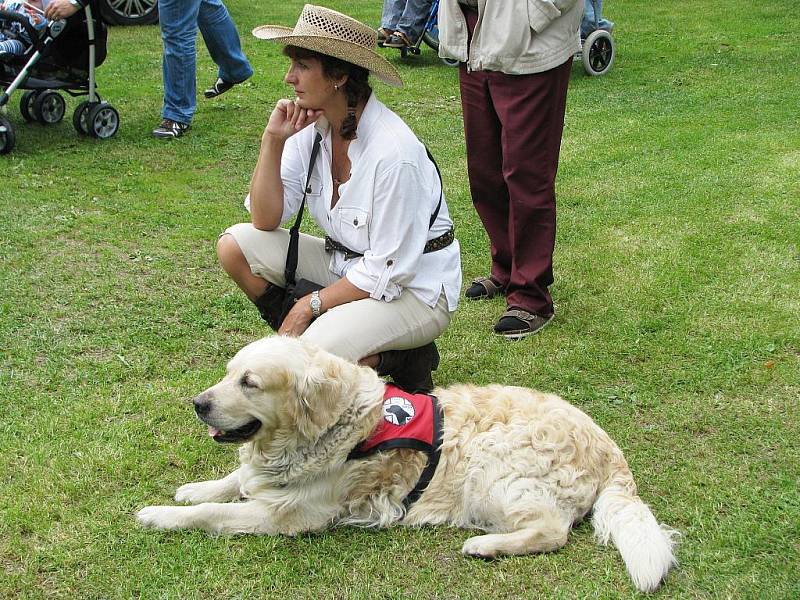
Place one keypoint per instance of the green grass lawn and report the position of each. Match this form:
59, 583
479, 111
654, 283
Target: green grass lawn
677, 297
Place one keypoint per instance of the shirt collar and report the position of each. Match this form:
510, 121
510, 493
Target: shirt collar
369, 116
371, 112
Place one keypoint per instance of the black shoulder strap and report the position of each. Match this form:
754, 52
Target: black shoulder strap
433, 456
294, 232
441, 189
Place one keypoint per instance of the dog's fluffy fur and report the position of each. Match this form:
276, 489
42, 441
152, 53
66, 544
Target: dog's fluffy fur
520, 465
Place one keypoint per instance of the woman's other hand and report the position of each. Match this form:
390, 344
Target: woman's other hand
288, 118
298, 319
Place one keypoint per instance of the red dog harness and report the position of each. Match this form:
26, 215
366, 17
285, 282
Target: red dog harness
409, 421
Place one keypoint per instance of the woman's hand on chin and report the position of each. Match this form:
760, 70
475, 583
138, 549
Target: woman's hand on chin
288, 118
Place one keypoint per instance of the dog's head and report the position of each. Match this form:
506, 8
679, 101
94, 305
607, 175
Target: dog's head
281, 384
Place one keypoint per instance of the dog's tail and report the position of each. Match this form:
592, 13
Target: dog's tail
645, 545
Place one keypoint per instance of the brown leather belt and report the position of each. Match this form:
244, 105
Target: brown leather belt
443, 241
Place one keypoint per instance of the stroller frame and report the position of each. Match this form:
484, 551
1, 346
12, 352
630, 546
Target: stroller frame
92, 117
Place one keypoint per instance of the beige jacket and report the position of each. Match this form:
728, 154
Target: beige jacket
512, 36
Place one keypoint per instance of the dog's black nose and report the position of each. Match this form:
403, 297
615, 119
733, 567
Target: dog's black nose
202, 405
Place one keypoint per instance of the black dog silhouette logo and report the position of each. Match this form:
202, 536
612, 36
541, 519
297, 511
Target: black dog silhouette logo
398, 411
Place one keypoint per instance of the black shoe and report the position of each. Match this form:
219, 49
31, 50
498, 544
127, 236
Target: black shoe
220, 87
517, 323
410, 369
170, 129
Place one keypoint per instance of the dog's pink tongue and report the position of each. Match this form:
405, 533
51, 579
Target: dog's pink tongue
213, 431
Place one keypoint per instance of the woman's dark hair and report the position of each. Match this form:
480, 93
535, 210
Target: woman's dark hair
356, 88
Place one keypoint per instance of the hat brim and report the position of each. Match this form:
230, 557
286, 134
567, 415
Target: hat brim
338, 48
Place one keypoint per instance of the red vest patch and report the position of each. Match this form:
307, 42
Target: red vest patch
409, 421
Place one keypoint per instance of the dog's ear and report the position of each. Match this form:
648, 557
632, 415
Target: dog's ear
323, 392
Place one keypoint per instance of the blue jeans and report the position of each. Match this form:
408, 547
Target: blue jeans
408, 16
587, 23
180, 20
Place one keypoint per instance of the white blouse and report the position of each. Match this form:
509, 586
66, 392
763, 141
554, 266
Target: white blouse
383, 211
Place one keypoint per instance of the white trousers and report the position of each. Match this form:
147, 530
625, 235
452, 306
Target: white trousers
354, 330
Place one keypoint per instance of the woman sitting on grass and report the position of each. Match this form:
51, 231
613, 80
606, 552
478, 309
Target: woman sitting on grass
389, 264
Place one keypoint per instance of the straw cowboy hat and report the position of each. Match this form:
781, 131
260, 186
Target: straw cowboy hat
329, 32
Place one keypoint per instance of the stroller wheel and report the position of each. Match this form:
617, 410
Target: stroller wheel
597, 53
26, 105
7, 139
49, 107
102, 121
80, 117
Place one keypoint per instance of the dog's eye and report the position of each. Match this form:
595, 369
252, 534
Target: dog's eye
248, 382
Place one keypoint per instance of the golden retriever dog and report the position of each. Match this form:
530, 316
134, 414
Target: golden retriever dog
520, 465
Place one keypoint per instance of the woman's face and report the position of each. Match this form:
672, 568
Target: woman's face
312, 88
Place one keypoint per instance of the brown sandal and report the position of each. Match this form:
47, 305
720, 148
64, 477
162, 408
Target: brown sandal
517, 323
398, 40
383, 35
483, 287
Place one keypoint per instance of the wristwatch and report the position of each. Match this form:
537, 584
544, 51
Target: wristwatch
316, 304
76, 3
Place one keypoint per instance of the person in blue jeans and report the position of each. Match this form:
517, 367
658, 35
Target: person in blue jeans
180, 20
588, 24
403, 22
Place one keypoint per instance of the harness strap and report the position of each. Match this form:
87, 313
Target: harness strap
433, 458
433, 451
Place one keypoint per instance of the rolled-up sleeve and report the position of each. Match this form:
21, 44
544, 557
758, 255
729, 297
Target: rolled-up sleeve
397, 232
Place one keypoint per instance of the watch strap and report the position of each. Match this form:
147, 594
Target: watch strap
316, 304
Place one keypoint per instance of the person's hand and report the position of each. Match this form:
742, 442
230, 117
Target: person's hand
288, 118
298, 319
59, 9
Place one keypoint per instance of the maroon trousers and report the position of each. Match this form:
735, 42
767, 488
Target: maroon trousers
513, 126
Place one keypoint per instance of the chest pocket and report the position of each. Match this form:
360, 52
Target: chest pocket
314, 184
352, 225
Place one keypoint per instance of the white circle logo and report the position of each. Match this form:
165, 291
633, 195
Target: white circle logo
398, 411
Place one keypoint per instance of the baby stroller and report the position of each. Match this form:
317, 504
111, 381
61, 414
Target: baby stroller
597, 46
63, 56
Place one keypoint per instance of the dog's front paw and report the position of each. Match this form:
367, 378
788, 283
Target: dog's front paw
160, 517
194, 493
480, 546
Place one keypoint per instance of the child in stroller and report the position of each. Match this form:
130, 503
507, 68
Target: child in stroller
34, 11
63, 55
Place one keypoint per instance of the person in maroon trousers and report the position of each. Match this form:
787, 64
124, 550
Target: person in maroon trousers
516, 59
